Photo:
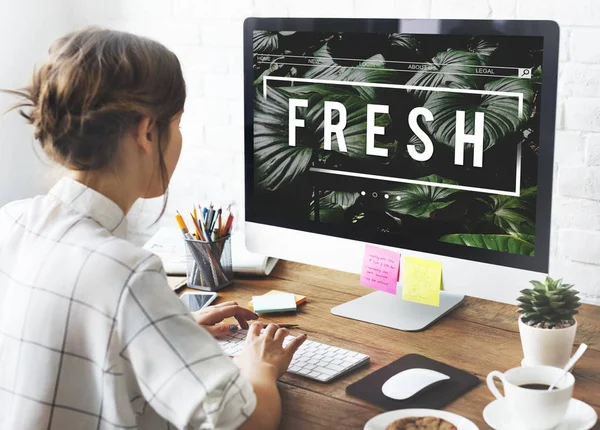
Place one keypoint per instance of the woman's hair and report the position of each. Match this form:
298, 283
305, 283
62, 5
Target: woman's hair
95, 86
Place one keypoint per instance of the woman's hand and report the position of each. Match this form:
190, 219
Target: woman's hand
264, 355
210, 318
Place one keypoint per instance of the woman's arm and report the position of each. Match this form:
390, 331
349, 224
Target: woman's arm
267, 414
262, 362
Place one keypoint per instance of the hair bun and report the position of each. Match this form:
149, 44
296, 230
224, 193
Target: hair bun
94, 86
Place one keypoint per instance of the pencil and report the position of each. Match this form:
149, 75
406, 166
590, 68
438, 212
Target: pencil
219, 222
182, 226
223, 230
228, 225
197, 227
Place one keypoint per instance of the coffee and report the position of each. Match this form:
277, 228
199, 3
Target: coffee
543, 387
527, 398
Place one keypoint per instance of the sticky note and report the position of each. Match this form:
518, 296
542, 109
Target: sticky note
422, 281
299, 298
380, 269
274, 303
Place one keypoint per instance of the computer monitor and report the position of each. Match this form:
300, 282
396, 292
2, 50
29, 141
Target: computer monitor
434, 138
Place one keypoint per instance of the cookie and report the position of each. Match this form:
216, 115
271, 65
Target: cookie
421, 423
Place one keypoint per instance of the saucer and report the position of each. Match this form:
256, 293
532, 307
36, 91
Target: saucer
579, 416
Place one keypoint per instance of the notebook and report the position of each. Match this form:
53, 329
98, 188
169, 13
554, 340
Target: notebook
168, 245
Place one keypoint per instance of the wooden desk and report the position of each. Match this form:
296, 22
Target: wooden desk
479, 337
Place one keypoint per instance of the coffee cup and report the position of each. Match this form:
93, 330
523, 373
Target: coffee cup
528, 402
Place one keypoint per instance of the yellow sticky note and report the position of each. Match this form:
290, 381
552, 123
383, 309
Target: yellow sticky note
422, 281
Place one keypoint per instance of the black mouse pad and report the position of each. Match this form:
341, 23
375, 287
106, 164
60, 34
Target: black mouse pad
435, 396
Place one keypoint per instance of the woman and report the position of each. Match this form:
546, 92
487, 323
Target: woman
91, 336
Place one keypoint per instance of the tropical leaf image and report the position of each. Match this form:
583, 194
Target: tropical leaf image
514, 215
405, 41
453, 69
296, 187
265, 42
371, 70
278, 163
333, 205
493, 242
420, 200
501, 112
484, 48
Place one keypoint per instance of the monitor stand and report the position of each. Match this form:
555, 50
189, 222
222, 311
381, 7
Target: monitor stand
391, 311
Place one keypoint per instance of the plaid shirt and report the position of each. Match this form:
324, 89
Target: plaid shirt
91, 336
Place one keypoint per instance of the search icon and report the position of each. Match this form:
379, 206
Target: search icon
525, 73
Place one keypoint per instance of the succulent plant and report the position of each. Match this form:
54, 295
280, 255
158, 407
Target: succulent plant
551, 304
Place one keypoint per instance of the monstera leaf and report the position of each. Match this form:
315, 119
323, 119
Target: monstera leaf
514, 215
493, 242
268, 42
279, 164
265, 42
452, 68
333, 205
501, 112
371, 70
484, 48
400, 40
420, 200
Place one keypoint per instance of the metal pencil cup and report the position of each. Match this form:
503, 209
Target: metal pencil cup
208, 264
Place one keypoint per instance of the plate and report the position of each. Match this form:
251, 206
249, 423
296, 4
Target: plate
381, 421
580, 416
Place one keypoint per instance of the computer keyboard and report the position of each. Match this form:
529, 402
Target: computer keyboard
313, 360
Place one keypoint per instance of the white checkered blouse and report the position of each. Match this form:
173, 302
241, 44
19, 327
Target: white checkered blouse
91, 336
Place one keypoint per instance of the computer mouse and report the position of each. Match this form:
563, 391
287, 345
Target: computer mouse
409, 382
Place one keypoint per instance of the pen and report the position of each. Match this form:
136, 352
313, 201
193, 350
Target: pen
209, 217
205, 230
287, 325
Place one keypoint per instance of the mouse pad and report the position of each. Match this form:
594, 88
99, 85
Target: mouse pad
435, 396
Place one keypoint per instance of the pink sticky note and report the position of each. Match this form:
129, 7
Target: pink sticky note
381, 269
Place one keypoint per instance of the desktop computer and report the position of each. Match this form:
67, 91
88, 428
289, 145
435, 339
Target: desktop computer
434, 138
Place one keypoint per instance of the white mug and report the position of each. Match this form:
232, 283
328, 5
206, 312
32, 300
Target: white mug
529, 408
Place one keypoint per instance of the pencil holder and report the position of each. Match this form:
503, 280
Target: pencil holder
209, 266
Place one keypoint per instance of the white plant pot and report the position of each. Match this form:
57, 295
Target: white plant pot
547, 347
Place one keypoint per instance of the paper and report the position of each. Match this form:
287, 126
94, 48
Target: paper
169, 246
380, 269
422, 281
274, 303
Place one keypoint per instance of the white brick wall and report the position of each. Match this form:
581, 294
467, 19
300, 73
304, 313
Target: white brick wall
207, 36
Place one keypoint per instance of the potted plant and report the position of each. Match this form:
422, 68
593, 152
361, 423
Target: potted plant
547, 324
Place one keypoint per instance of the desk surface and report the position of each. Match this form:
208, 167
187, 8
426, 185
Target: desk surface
479, 337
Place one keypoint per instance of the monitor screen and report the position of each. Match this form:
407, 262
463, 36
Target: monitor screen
422, 141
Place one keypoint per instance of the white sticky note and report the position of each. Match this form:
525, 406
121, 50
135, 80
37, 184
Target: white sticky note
274, 303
